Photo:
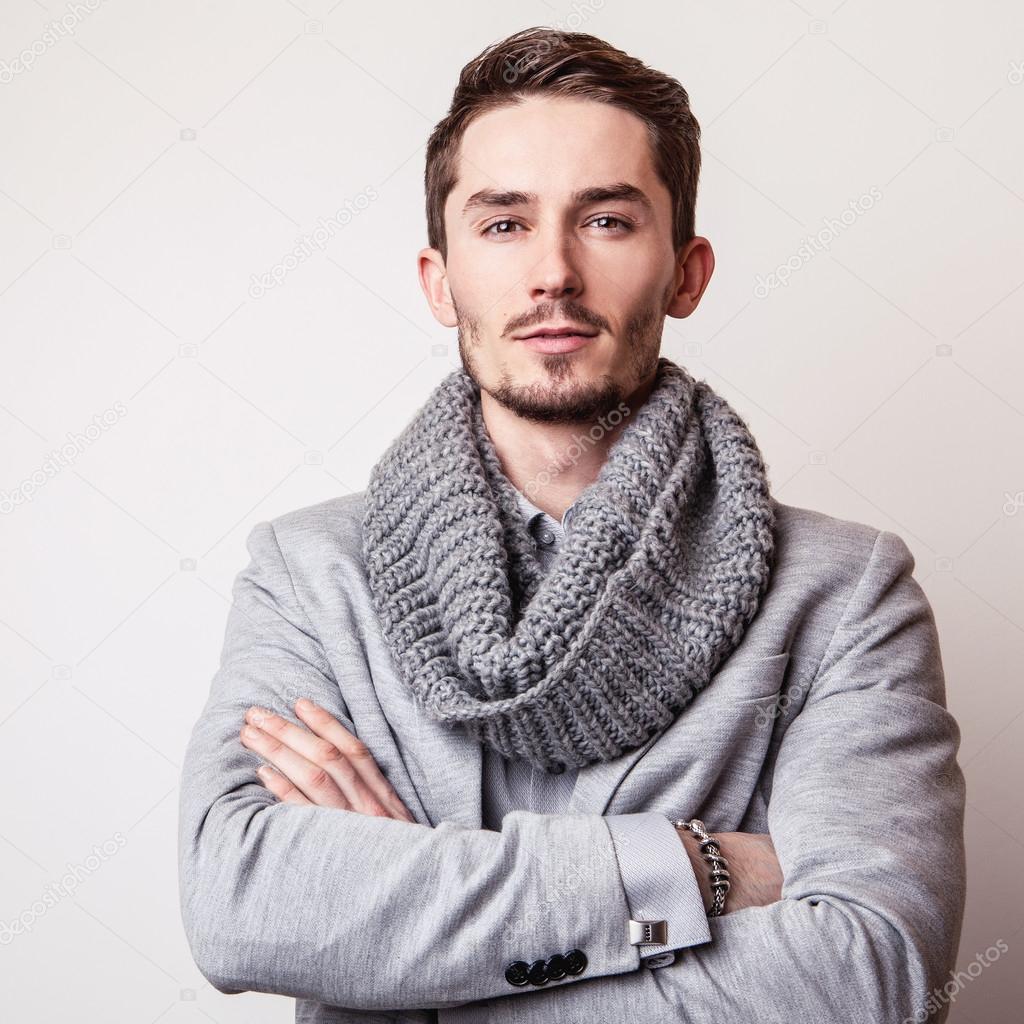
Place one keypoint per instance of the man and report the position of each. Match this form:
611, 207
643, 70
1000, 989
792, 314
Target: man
500, 691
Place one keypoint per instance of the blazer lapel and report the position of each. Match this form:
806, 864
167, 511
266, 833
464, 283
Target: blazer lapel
446, 766
449, 769
596, 783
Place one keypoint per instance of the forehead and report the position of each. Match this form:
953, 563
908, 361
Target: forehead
553, 146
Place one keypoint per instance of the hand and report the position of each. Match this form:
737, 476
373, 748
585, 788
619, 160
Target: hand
328, 766
755, 874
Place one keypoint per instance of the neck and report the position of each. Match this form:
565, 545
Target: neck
552, 463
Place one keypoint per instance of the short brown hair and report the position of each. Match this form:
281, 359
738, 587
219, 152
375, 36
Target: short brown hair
543, 60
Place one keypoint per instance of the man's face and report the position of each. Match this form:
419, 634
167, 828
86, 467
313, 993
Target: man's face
559, 218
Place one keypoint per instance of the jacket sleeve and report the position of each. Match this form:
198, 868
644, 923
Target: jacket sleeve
866, 814
353, 910
659, 882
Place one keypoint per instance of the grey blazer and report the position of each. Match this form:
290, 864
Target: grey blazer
827, 728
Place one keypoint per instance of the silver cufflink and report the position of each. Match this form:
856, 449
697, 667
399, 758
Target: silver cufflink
648, 932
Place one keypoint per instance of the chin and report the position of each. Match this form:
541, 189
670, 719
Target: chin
558, 394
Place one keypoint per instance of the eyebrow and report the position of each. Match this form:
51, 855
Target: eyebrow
621, 192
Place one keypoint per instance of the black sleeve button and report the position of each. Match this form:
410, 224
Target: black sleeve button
556, 967
538, 973
517, 972
575, 961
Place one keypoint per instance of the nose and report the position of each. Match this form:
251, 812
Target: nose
556, 274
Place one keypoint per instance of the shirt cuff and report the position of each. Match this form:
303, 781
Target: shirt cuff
659, 883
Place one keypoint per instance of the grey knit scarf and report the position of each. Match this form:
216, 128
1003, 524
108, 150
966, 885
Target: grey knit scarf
665, 562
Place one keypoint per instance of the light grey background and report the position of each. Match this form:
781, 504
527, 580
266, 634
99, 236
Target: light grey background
160, 157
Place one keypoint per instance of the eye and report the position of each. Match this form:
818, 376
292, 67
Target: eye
623, 225
487, 230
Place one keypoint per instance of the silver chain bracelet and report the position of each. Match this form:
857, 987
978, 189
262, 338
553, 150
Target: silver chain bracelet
712, 853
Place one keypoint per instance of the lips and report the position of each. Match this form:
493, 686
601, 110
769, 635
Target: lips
557, 342
569, 331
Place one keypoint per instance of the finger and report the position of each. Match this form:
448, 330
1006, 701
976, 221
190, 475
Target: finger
325, 725
281, 786
310, 778
337, 762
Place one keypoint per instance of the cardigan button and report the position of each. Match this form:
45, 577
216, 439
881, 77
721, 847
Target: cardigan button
538, 973
575, 962
516, 972
556, 967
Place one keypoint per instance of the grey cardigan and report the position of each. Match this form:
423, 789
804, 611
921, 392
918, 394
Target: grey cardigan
827, 728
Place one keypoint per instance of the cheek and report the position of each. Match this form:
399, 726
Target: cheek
630, 289
635, 269
477, 280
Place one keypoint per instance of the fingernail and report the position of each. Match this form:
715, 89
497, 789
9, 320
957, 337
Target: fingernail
303, 705
264, 771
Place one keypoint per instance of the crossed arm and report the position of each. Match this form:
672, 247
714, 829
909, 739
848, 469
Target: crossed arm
326, 765
866, 816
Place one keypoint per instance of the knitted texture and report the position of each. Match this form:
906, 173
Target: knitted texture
666, 560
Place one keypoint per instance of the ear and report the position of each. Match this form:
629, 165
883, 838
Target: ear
434, 282
694, 267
